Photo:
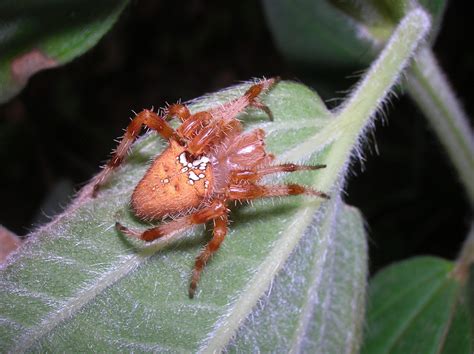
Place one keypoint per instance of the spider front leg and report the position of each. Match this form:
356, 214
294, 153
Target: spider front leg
249, 98
192, 124
255, 90
178, 110
144, 118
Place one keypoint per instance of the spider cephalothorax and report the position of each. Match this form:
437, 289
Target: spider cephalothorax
210, 161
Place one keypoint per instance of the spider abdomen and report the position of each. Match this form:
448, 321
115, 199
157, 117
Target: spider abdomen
175, 181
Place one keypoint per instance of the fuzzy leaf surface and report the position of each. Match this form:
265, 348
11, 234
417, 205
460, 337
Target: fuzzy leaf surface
78, 285
319, 294
37, 35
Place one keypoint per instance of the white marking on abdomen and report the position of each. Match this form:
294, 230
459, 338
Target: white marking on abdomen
193, 176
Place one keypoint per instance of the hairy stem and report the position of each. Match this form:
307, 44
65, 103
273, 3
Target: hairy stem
356, 114
364, 102
466, 258
431, 91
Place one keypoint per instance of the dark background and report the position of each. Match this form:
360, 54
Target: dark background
58, 131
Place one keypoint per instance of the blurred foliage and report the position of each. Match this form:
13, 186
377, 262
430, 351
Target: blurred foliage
417, 306
338, 34
39, 35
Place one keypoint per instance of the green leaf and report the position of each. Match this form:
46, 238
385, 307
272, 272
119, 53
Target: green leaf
315, 33
417, 306
78, 284
339, 33
39, 35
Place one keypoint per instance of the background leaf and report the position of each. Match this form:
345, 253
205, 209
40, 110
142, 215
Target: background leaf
417, 306
39, 35
338, 34
78, 284
9, 242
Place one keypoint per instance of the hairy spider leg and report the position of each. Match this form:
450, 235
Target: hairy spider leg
231, 109
197, 128
218, 236
256, 103
144, 118
248, 191
208, 134
254, 92
194, 124
213, 134
257, 173
216, 209
178, 110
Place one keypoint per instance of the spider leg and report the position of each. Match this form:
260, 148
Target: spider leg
249, 191
194, 124
256, 173
208, 136
219, 234
256, 103
249, 98
214, 210
178, 110
202, 131
254, 91
144, 118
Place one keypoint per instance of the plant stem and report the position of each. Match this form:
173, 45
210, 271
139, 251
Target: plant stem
466, 258
374, 89
431, 91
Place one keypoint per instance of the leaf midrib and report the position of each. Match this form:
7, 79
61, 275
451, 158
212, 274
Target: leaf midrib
316, 277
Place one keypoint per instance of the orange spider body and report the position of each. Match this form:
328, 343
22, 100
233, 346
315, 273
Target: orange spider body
175, 182
210, 162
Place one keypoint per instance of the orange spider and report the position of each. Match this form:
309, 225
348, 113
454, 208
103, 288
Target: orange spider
209, 162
